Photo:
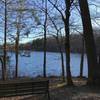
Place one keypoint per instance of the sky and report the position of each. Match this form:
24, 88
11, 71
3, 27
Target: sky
75, 16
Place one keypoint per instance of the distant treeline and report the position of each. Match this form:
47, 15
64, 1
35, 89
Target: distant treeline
52, 46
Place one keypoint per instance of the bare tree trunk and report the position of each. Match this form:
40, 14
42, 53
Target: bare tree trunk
67, 42
60, 47
62, 63
82, 58
17, 45
5, 44
16, 54
89, 40
62, 58
1, 65
45, 40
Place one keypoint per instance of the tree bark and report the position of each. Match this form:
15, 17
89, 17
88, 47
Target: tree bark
5, 44
16, 54
1, 60
62, 58
67, 42
17, 44
62, 64
45, 40
82, 58
89, 40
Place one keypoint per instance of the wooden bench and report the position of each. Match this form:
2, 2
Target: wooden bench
21, 87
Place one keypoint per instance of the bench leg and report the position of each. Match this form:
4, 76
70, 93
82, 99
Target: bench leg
48, 94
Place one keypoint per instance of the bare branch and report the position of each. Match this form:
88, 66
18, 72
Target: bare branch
57, 9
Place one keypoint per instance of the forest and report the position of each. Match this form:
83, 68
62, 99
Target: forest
37, 44
63, 26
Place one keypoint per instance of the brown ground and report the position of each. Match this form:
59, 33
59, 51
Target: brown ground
59, 91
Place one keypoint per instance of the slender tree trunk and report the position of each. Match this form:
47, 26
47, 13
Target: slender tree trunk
16, 54
62, 58
60, 48
62, 63
45, 40
17, 45
67, 42
89, 40
1, 65
82, 59
5, 44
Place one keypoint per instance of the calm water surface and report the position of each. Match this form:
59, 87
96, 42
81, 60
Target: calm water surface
33, 66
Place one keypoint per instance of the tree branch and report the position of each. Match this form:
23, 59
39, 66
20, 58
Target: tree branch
57, 9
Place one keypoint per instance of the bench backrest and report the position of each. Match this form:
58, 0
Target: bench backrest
24, 87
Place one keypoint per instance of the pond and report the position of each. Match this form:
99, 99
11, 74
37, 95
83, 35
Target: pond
32, 66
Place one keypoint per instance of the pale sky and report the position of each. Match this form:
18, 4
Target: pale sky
93, 10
